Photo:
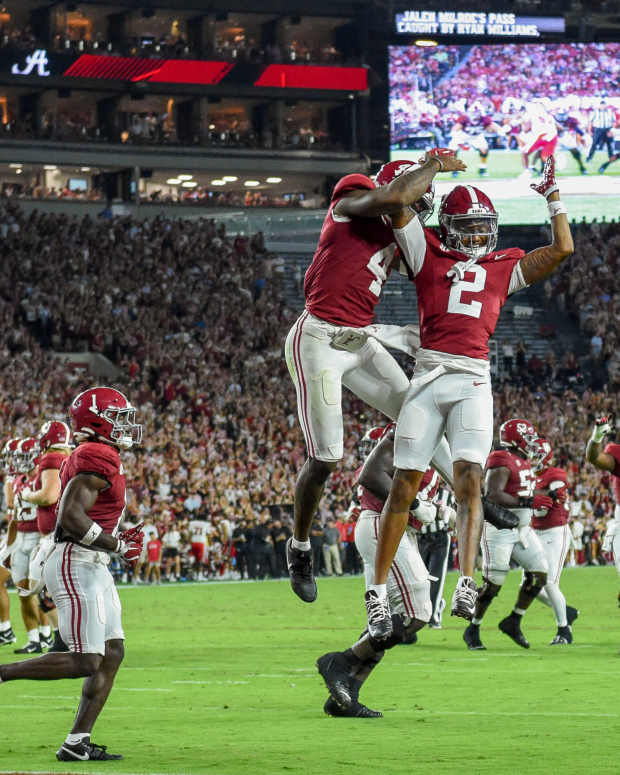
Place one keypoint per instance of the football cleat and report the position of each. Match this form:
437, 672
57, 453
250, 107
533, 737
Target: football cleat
379, 616
299, 564
357, 710
511, 626
471, 636
464, 598
32, 647
84, 751
563, 637
7, 637
59, 645
46, 641
335, 671
571, 614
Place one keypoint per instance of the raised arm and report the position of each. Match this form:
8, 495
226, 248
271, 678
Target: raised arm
594, 450
402, 192
540, 263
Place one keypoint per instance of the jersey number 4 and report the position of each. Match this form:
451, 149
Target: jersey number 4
377, 266
472, 308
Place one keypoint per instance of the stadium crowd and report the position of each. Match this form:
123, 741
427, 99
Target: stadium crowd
195, 319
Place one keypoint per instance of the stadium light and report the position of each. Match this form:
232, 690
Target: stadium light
252, 183
185, 177
426, 43
230, 178
274, 180
173, 181
189, 184
218, 182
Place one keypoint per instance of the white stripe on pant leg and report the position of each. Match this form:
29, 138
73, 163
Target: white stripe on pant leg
442, 580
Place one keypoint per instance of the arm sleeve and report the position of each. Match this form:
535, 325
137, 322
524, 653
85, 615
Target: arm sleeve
517, 281
412, 242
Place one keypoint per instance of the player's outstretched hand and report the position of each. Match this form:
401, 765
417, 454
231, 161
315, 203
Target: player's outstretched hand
447, 159
603, 426
548, 183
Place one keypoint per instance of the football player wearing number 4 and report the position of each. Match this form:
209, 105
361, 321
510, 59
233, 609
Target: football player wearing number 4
91, 507
462, 283
329, 345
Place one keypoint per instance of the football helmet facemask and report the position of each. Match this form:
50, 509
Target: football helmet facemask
468, 222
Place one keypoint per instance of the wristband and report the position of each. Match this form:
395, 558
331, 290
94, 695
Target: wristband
91, 535
555, 208
526, 503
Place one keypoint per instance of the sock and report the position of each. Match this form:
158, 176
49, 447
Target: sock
33, 636
477, 622
77, 737
45, 630
4, 626
303, 546
518, 612
380, 589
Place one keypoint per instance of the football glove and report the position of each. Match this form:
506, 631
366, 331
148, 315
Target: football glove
130, 544
603, 426
548, 183
499, 516
542, 503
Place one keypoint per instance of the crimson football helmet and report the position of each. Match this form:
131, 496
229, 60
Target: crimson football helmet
542, 455
519, 434
54, 433
468, 222
392, 169
104, 414
27, 453
9, 456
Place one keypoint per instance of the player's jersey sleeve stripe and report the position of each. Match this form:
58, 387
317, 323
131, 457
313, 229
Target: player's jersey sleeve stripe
412, 242
517, 281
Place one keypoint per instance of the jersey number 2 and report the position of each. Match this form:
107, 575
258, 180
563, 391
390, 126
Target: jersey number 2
375, 265
473, 308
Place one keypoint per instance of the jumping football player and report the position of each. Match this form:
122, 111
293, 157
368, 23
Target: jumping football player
76, 573
326, 347
462, 282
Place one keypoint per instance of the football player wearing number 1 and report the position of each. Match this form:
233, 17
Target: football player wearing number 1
76, 573
328, 346
462, 283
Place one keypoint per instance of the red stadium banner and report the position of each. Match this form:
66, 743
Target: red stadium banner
153, 70
314, 77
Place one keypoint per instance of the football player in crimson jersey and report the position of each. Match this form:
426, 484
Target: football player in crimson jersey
54, 439
551, 526
510, 482
76, 573
344, 672
462, 283
329, 345
7, 636
608, 459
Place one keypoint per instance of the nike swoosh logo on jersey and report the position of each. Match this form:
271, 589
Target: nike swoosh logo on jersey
501, 255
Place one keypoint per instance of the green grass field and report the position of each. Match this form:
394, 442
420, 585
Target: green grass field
586, 196
220, 679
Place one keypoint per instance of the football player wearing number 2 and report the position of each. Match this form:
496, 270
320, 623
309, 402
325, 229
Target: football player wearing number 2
328, 347
91, 506
462, 283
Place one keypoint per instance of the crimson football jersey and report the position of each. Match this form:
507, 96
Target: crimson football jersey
25, 512
558, 513
351, 263
92, 457
458, 317
522, 479
46, 515
614, 451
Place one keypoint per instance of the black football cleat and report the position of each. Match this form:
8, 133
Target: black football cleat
471, 636
380, 625
511, 626
571, 614
85, 751
7, 637
32, 647
46, 641
357, 710
464, 598
299, 564
335, 671
563, 637
58, 645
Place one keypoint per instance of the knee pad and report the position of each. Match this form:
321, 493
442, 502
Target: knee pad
533, 582
489, 591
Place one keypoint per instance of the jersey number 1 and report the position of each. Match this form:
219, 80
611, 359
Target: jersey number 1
473, 308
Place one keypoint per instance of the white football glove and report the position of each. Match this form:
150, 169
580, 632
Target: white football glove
425, 512
603, 426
